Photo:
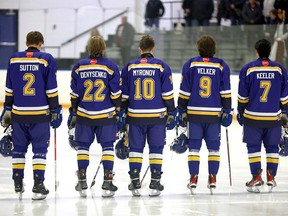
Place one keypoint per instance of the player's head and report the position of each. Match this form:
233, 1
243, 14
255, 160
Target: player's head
34, 38
263, 48
146, 44
96, 46
206, 46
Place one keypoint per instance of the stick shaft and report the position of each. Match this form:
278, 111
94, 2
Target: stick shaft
228, 153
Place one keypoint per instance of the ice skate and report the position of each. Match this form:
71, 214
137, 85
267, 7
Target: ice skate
255, 183
81, 186
155, 185
271, 183
18, 185
39, 190
135, 184
211, 183
192, 183
108, 187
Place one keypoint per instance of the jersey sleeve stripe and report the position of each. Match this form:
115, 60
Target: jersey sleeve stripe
167, 97
52, 95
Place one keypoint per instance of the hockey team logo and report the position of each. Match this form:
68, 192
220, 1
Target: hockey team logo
265, 63
206, 59
29, 54
144, 60
93, 61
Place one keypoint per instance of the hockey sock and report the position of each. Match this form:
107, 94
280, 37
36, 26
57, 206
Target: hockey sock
193, 161
135, 158
39, 165
213, 161
155, 158
107, 155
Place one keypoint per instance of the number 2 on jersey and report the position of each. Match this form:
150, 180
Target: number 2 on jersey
97, 96
27, 90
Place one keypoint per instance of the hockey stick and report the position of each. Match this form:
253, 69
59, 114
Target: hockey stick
144, 174
93, 181
55, 159
228, 153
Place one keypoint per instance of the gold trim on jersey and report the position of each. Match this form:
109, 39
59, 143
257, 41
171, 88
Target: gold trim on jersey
50, 95
205, 64
146, 65
97, 116
167, 97
146, 115
29, 60
94, 67
184, 96
41, 112
264, 68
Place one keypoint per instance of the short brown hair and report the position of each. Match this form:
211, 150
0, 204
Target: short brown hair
34, 38
206, 46
146, 43
96, 46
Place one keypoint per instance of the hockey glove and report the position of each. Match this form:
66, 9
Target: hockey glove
182, 117
240, 119
172, 119
71, 119
284, 118
121, 115
56, 117
226, 117
6, 116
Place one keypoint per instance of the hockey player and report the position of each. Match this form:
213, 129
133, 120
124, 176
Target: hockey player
205, 102
262, 101
31, 106
147, 92
95, 99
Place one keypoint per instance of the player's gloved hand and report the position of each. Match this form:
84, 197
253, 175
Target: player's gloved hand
172, 119
240, 119
182, 117
284, 118
71, 119
226, 117
6, 116
121, 116
56, 117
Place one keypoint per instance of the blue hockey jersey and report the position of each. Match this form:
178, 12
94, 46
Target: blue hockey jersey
262, 93
95, 85
205, 89
147, 89
31, 86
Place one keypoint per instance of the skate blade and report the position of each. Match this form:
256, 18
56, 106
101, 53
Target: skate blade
192, 191
107, 193
20, 194
136, 192
270, 188
38, 196
253, 189
154, 192
83, 193
212, 190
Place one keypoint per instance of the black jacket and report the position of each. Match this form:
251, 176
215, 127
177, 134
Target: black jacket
154, 9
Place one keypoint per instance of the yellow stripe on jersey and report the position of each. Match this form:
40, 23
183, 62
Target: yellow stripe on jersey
8, 94
254, 159
261, 118
39, 167
82, 157
168, 97
18, 166
29, 60
225, 95
184, 96
202, 113
106, 115
52, 95
107, 158
193, 158
272, 160
209, 64
41, 112
243, 101
135, 160
96, 66
113, 97
146, 115
264, 68
155, 161
284, 102
146, 65
214, 158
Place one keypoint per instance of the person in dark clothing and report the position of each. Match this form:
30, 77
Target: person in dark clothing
187, 7
154, 10
282, 5
235, 7
124, 39
202, 11
252, 13
222, 11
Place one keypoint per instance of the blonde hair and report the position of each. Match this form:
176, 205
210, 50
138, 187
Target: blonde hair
96, 46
